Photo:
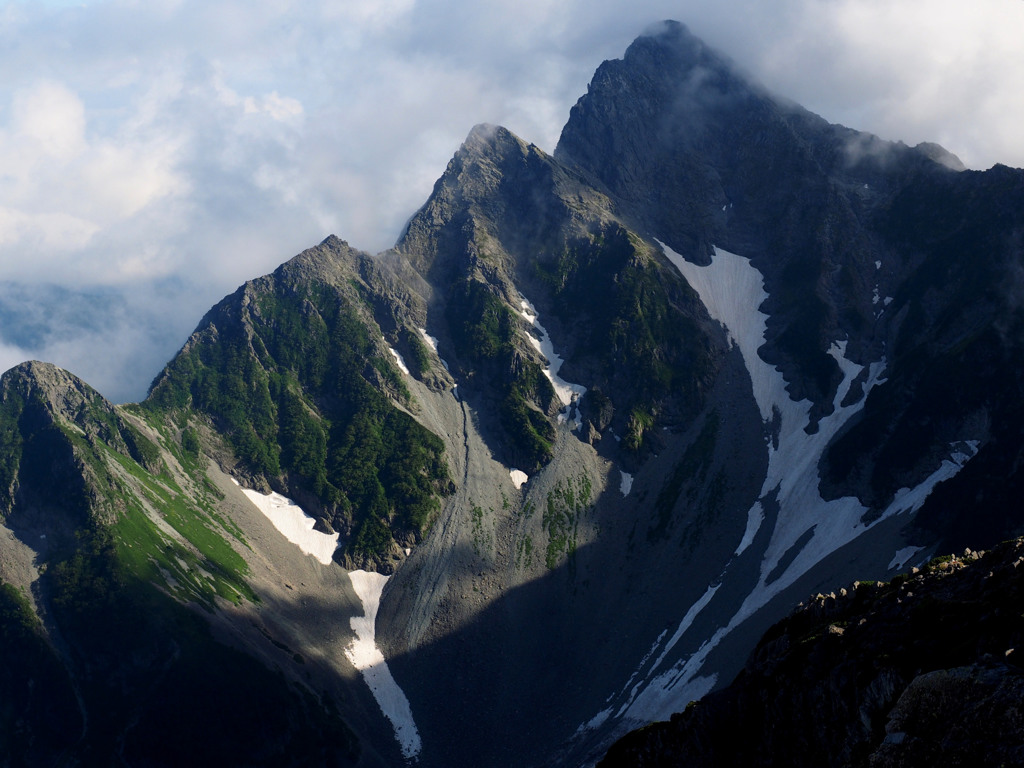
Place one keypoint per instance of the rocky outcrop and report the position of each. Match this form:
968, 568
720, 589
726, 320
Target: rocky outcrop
52, 395
108, 533
54, 429
922, 669
506, 222
960, 717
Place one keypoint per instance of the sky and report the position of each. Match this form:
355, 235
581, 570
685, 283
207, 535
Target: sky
155, 155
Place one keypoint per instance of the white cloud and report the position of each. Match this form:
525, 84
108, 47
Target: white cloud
52, 233
916, 70
62, 188
278, 107
50, 119
204, 143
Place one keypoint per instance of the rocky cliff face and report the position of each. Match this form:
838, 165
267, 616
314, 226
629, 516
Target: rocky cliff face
300, 371
921, 669
602, 417
862, 241
678, 149
55, 427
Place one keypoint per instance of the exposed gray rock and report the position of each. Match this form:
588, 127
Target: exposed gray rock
964, 716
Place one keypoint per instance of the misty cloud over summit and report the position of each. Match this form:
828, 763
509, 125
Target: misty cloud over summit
156, 155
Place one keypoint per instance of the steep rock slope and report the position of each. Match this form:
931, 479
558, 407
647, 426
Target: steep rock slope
672, 145
893, 250
796, 237
920, 670
507, 223
516, 245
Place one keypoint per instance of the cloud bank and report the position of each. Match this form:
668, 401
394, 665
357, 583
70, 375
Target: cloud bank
155, 155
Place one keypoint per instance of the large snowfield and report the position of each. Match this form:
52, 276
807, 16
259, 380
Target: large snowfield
368, 659
733, 291
362, 651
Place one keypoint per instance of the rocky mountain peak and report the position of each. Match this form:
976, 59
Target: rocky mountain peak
332, 260
668, 84
488, 139
62, 394
53, 430
51, 382
940, 155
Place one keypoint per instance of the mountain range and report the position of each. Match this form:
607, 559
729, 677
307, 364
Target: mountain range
548, 469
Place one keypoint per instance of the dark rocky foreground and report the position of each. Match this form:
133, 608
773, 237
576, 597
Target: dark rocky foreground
923, 670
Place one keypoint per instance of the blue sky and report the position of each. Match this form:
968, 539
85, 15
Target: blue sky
154, 155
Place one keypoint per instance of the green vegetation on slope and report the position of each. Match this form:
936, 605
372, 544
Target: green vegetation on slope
633, 323
566, 504
417, 357
79, 483
290, 372
138, 677
484, 331
10, 448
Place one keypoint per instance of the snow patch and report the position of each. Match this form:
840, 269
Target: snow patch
903, 556
625, 483
654, 646
688, 619
294, 524
527, 311
567, 393
732, 291
672, 691
431, 340
362, 651
366, 657
399, 360
755, 516
432, 343
911, 499
519, 477
594, 723
658, 694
